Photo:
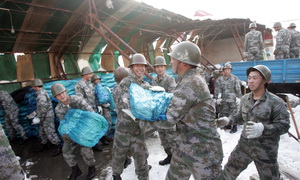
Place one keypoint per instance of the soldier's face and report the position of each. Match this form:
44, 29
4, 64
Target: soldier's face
96, 81
36, 88
160, 70
138, 70
175, 65
88, 77
62, 97
255, 81
227, 72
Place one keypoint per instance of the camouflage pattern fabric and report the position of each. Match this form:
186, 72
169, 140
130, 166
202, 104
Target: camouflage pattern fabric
295, 44
11, 116
198, 150
85, 90
128, 135
75, 102
254, 45
46, 115
230, 89
271, 111
283, 40
10, 168
166, 136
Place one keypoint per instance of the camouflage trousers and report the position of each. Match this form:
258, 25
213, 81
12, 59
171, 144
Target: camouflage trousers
192, 159
69, 153
125, 143
283, 53
47, 131
167, 138
262, 151
10, 167
254, 54
12, 124
295, 52
107, 116
227, 109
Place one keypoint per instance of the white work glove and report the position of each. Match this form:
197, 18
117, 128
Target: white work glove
36, 120
157, 88
237, 101
106, 105
254, 130
218, 101
32, 115
99, 108
221, 122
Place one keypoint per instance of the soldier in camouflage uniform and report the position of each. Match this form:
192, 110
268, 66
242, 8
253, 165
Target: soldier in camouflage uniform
45, 114
295, 41
254, 44
166, 81
11, 110
119, 74
198, 150
105, 110
283, 40
10, 168
265, 118
229, 87
75, 102
129, 137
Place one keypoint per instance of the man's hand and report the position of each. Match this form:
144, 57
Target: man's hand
66, 138
221, 122
254, 130
157, 88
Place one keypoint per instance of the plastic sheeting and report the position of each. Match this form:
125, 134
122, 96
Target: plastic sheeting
104, 96
148, 105
83, 127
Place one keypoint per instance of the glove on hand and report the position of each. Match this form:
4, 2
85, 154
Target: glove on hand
106, 105
99, 109
157, 88
221, 122
32, 115
36, 120
254, 130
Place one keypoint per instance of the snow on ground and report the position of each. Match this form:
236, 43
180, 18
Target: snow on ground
288, 156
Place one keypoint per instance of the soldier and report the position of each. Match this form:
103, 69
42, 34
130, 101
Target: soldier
168, 83
85, 89
295, 41
105, 110
45, 114
11, 110
229, 87
10, 167
120, 73
283, 40
198, 149
254, 44
128, 135
265, 118
75, 102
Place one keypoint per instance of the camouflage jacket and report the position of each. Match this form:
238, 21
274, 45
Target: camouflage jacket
44, 104
270, 110
283, 39
193, 111
85, 90
253, 39
116, 91
230, 88
295, 39
167, 82
75, 102
125, 123
8, 103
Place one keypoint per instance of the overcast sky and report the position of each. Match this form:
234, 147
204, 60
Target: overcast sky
262, 11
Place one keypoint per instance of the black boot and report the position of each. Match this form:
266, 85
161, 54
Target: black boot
117, 177
167, 160
103, 140
233, 129
58, 151
75, 172
127, 162
91, 173
97, 147
41, 147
